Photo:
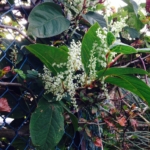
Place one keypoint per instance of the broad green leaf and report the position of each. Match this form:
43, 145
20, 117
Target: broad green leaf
47, 125
47, 20
72, 116
132, 84
87, 46
134, 22
122, 48
110, 38
132, 32
93, 17
143, 50
49, 55
65, 48
120, 71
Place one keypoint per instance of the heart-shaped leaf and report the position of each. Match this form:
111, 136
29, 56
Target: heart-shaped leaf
47, 20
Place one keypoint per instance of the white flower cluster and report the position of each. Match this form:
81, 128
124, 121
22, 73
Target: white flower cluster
73, 5
77, 6
100, 51
117, 26
13, 55
75, 55
53, 84
92, 64
103, 48
63, 83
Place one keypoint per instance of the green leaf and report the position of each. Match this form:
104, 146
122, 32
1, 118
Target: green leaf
132, 84
134, 22
135, 6
120, 71
32, 74
110, 38
47, 20
143, 50
72, 116
74, 121
99, 7
132, 6
87, 46
49, 55
21, 73
122, 48
93, 17
47, 125
65, 48
132, 32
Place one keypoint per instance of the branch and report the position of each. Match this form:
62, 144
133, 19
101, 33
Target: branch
16, 29
19, 85
10, 133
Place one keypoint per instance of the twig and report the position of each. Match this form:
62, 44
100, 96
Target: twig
125, 102
18, 85
147, 122
86, 122
16, 29
134, 61
141, 59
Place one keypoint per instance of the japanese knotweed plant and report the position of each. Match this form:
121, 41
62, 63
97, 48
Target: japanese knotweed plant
82, 65
68, 68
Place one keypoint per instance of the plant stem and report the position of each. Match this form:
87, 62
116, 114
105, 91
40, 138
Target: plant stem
141, 59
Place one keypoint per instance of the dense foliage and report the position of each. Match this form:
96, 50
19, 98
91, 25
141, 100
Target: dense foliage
95, 61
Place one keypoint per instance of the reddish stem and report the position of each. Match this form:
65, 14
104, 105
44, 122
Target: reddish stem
114, 61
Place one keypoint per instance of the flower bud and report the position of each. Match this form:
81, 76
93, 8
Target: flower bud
6, 69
